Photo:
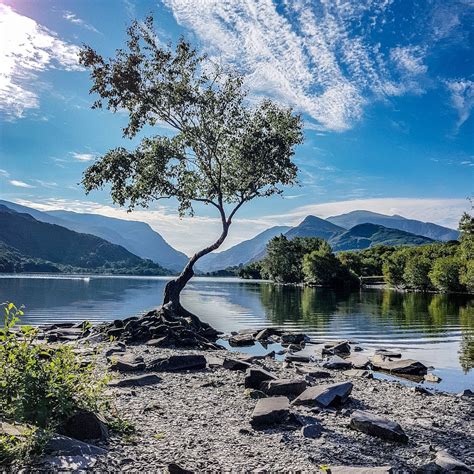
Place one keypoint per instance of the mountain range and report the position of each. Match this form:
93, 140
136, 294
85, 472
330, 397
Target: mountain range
27, 244
351, 231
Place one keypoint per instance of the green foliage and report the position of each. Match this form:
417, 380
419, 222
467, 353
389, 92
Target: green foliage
252, 271
416, 273
445, 274
39, 384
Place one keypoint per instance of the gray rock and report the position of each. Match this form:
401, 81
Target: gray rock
270, 411
337, 363
235, 364
450, 464
178, 363
158, 342
432, 378
389, 353
287, 387
140, 381
70, 463
375, 425
267, 333
85, 425
254, 377
312, 431
402, 366
358, 373
304, 355
174, 468
467, 393
242, 340
117, 348
313, 371
358, 361
293, 338
66, 446
127, 362
325, 395
361, 470
13, 429
340, 347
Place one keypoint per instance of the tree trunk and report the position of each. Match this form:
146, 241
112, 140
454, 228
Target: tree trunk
173, 288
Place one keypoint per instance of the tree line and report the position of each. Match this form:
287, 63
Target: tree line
442, 266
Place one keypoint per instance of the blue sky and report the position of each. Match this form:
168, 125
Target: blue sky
386, 89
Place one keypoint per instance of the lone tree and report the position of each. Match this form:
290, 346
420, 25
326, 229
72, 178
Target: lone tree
223, 151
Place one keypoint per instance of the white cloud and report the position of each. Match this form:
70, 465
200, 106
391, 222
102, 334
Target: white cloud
462, 98
26, 49
72, 18
4, 173
205, 229
20, 184
311, 55
83, 156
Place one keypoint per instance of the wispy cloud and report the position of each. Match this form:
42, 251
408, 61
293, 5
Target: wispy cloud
20, 184
83, 156
27, 49
74, 19
4, 173
462, 98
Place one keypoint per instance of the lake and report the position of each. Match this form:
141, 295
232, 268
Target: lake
438, 330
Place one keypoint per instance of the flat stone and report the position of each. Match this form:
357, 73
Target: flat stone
254, 377
325, 395
158, 342
450, 464
313, 371
358, 361
402, 366
287, 387
242, 340
292, 338
361, 470
70, 463
174, 468
340, 347
13, 429
270, 411
389, 353
178, 363
266, 333
338, 363
140, 381
235, 364
127, 362
358, 373
375, 425
305, 355
118, 348
64, 445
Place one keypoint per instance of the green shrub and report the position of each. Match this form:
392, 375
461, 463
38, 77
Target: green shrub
40, 384
416, 274
445, 274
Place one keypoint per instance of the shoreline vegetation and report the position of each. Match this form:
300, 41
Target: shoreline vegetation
159, 390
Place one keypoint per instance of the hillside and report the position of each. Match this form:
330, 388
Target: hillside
242, 253
137, 237
26, 240
426, 229
364, 236
313, 226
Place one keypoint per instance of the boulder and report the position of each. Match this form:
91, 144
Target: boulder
448, 463
358, 361
375, 425
270, 411
235, 364
127, 362
242, 340
325, 395
140, 381
337, 363
254, 377
287, 387
358, 373
312, 431
432, 378
69, 463
178, 363
85, 425
340, 347
71, 447
402, 366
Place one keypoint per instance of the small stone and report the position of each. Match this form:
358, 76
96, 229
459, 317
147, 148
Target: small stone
338, 363
242, 340
313, 371
361, 470
389, 353
467, 393
432, 378
127, 362
341, 347
235, 364
270, 411
358, 373
158, 342
403, 366
450, 464
178, 363
254, 377
174, 468
422, 390
292, 338
312, 431
358, 361
375, 425
140, 381
287, 387
325, 395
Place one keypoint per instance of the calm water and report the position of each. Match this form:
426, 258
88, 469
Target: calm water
435, 329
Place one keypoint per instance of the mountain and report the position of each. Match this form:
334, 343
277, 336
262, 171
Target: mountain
313, 226
137, 237
426, 229
27, 241
242, 253
363, 236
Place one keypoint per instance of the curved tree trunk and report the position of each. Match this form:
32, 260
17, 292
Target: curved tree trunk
173, 288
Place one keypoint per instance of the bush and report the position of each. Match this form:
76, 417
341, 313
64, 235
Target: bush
416, 274
445, 274
40, 385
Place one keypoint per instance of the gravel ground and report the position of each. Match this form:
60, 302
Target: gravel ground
200, 421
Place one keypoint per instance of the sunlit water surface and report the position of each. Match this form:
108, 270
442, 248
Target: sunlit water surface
438, 330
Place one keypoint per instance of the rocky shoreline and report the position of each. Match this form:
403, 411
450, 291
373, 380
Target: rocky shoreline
209, 410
